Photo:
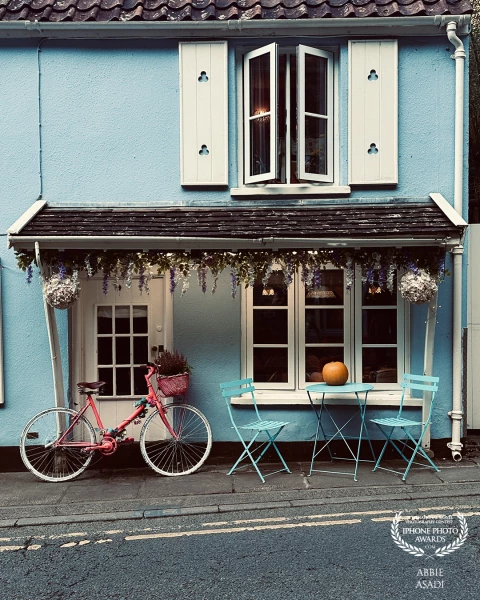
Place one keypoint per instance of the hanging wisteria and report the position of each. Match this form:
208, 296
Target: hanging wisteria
377, 265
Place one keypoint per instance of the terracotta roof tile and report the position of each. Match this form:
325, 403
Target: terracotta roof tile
203, 10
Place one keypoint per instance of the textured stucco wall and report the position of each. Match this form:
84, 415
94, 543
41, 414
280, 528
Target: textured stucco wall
110, 131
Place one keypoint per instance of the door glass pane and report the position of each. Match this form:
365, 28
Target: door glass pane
105, 351
123, 381
105, 374
260, 145
270, 365
379, 326
315, 145
122, 350
122, 319
140, 350
104, 319
379, 365
270, 327
140, 319
259, 84
139, 383
324, 326
315, 84
374, 295
329, 291
273, 294
316, 359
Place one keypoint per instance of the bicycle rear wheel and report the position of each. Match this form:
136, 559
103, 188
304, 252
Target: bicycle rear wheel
51, 463
169, 456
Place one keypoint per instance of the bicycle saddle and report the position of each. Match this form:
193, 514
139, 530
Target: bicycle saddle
85, 387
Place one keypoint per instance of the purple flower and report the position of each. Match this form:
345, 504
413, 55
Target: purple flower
29, 274
233, 275
141, 277
62, 271
173, 283
105, 283
317, 278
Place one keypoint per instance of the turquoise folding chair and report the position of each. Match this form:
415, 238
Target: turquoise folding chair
389, 425
270, 428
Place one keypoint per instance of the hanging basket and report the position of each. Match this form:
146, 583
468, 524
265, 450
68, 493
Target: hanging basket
173, 385
61, 293
418, 288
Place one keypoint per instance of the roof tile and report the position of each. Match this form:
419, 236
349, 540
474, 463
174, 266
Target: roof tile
202, 10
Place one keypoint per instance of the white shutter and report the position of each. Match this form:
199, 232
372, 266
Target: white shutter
203, 113
321, 144
373, 112
260, 159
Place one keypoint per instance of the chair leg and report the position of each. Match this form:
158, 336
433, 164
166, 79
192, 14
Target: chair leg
418, 448
379, 459
272, 442
246, 453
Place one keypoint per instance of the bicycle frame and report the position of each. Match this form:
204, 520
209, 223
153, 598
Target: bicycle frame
151, 399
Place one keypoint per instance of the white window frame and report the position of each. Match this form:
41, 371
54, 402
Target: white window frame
312, 187
352, 343
302, 51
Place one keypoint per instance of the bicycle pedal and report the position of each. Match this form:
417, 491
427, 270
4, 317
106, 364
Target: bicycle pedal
127, 440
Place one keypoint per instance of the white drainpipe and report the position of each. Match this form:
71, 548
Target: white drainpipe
456, 413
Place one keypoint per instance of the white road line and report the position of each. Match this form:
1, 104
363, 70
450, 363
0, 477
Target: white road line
34, 547
8, 548
447, 507
68, 545
66, 535
238, 529
103, 541
5, 539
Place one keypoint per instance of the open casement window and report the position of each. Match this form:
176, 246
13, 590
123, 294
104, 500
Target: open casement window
290, 334
288, 115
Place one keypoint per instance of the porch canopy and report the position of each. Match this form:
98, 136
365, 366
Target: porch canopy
398, 222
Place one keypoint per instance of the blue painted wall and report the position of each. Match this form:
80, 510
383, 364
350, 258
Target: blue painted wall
110, 129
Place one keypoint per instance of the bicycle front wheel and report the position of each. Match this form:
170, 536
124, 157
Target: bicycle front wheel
183, 453
56, 463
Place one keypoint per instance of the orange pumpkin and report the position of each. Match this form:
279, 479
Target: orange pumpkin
335, 373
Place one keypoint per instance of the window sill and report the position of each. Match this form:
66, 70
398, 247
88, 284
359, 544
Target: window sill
301, 189
271, 398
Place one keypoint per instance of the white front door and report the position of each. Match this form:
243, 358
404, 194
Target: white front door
114, 334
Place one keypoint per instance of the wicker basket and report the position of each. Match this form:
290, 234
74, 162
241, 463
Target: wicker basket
173, 385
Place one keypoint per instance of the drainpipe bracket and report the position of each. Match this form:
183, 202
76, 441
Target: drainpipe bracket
456, 414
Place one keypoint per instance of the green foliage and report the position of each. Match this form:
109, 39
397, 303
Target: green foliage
172, 363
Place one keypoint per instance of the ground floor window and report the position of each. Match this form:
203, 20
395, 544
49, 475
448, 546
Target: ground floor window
289, 333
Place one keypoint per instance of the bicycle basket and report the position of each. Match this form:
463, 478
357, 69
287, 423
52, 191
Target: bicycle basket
173, 385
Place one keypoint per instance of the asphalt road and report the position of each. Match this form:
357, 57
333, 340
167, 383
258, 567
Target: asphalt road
341, 552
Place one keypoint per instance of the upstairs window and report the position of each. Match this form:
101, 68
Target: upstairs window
288, 115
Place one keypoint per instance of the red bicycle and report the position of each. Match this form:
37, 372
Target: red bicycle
58, 444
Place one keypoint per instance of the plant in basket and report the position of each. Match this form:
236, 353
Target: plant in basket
173, 373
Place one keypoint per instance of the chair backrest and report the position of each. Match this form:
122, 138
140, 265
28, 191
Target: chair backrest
238, 388
425, 383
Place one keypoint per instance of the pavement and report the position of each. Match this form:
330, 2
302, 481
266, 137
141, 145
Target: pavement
110, 495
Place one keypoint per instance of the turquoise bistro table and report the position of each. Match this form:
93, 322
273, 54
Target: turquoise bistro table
348, 388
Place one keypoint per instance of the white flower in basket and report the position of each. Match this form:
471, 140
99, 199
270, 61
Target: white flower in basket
418, 288
61, 293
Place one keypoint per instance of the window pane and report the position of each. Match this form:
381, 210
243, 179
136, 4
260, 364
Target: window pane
379, 326
293, 119
140, 319
373, 295
104, 319
259, 84
379, 365
270, 365
270, 327
139, 383
315, 145
123, 381
316, 359
122, 319
315, 84
330, 290
122, 348
140, 350
324, 326
106, 375
274, 293
260, 145
105, 351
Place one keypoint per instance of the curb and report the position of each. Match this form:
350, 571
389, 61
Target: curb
220, 508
